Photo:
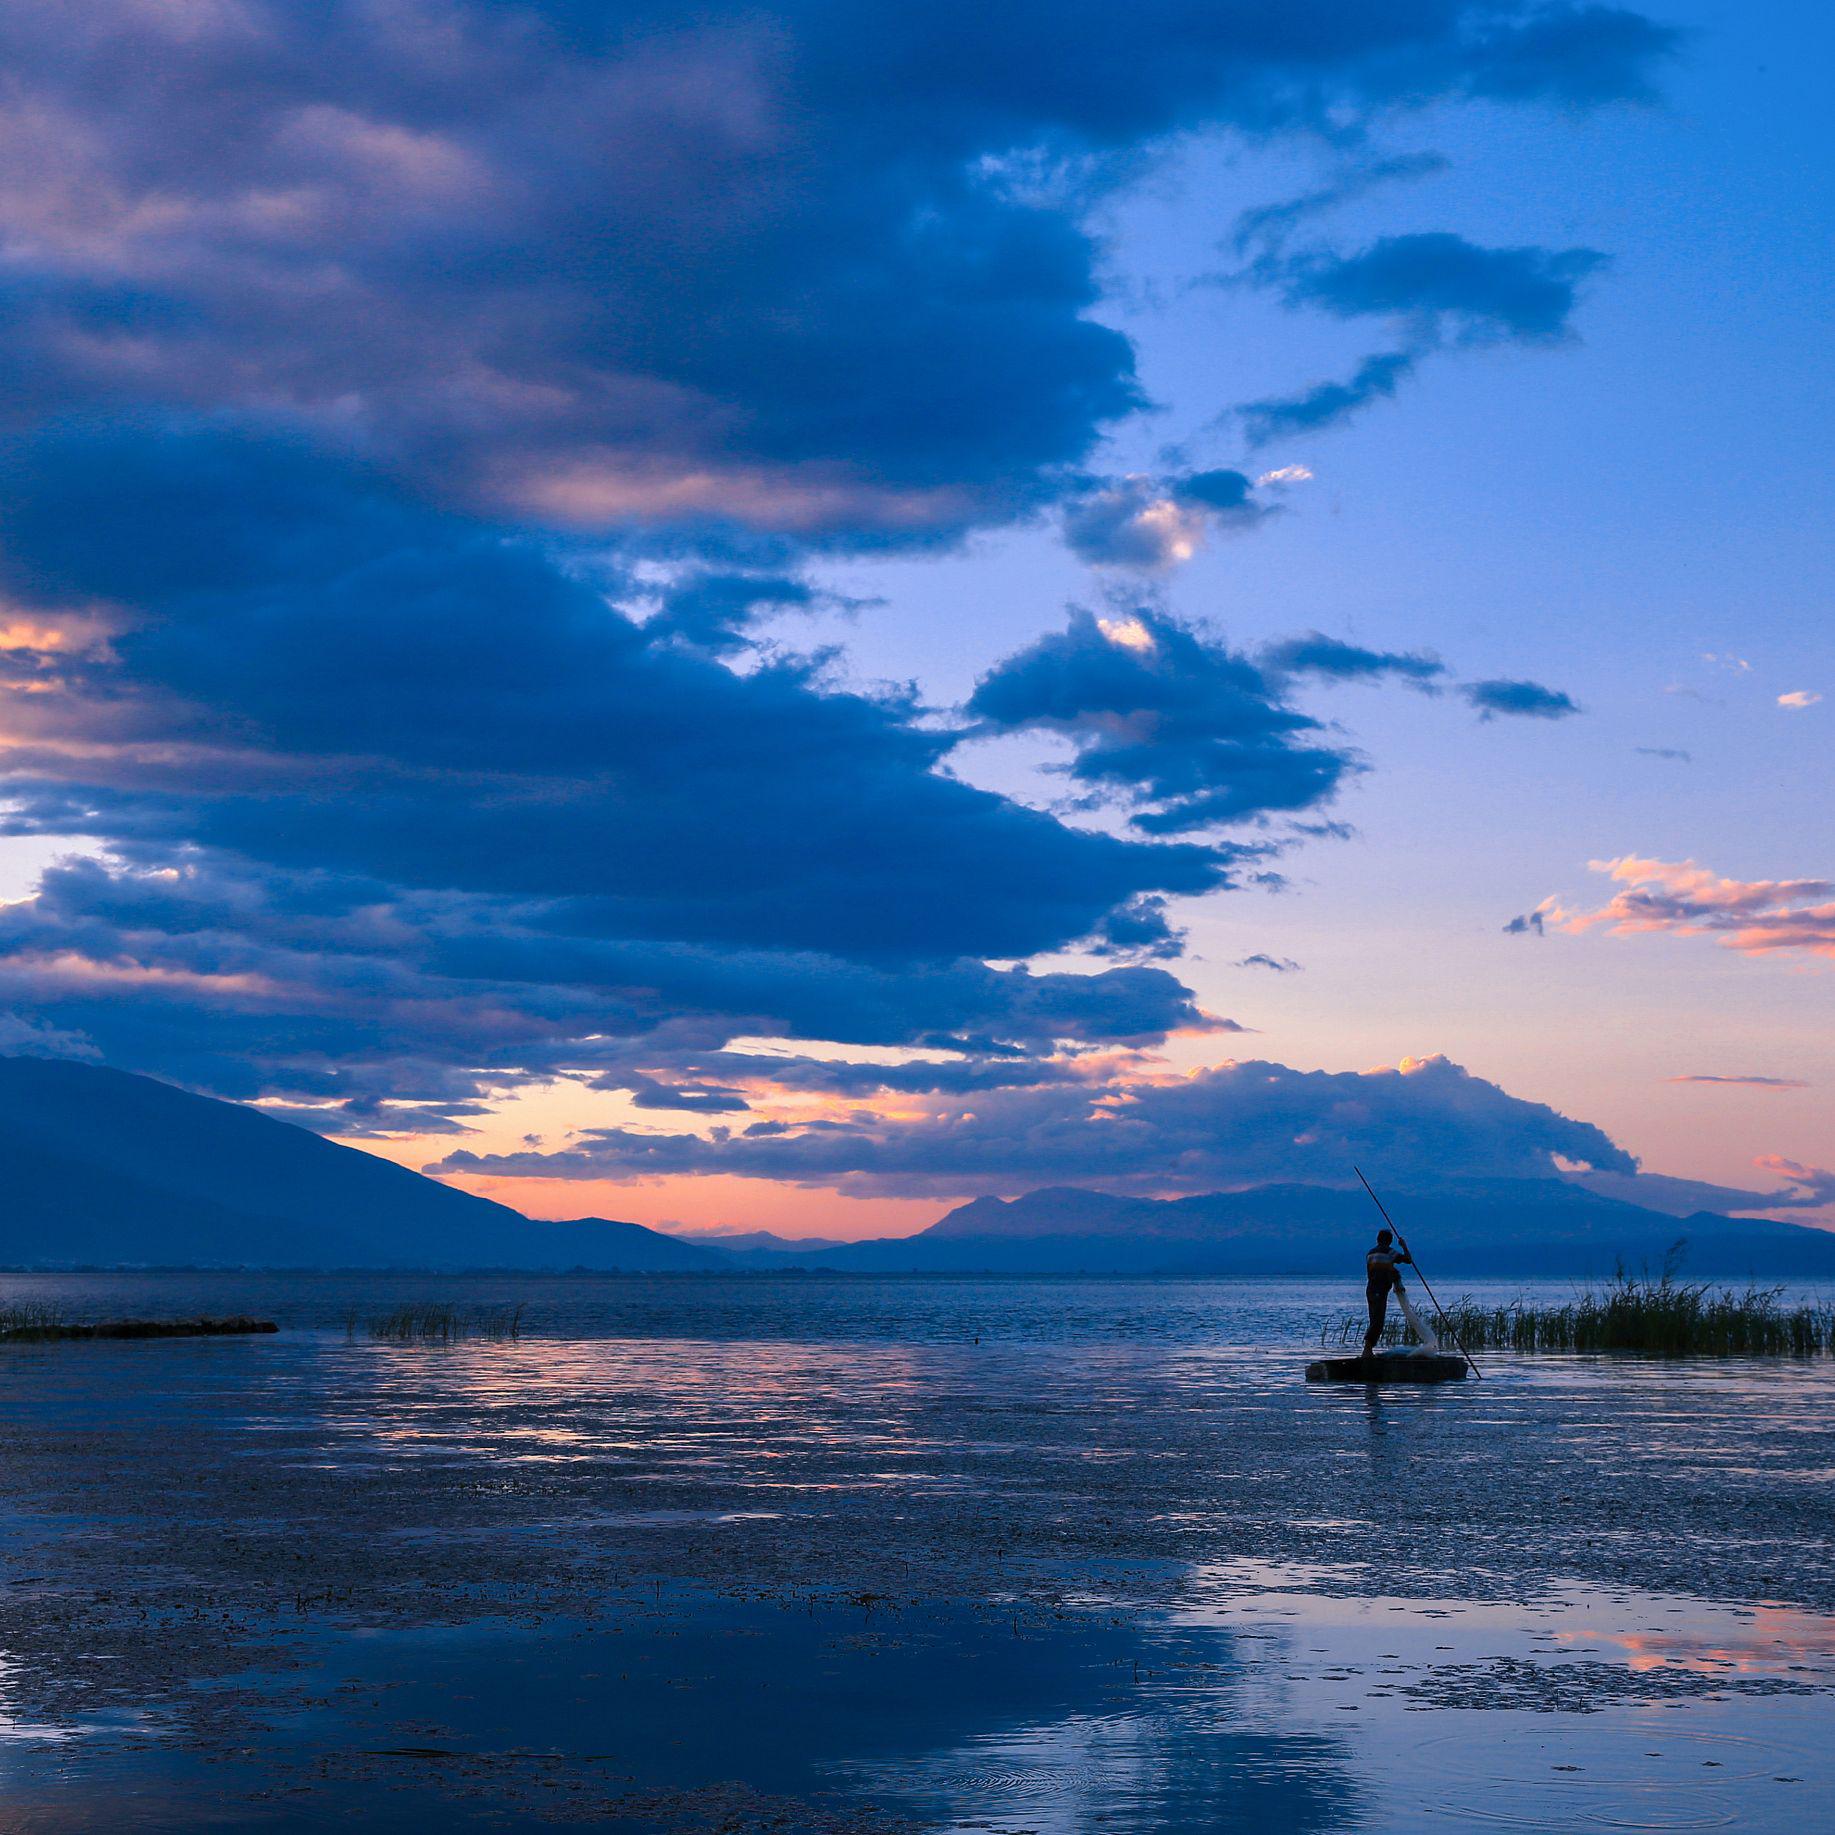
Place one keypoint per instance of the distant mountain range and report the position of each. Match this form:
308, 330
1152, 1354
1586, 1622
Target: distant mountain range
1496, 1227
102, 1168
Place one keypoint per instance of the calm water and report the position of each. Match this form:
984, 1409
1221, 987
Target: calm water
796, 1553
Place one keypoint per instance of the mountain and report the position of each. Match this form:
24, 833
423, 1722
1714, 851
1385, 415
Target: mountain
1501, 1228
102, 1167
761, 1248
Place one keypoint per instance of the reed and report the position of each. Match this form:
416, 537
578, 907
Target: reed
23, 1318
437, 1322
420, 1322
1654, 1316
500, 1322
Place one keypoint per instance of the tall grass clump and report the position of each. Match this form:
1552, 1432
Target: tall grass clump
1656, 1316
25, 1318
437, 1322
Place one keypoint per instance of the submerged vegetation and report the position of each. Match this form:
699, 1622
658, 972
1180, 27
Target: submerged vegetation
438, 1322
1659, 1316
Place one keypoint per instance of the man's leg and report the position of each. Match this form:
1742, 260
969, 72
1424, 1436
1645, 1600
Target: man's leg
1379, 1311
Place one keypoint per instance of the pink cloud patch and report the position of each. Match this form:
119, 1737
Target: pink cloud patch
1754, 916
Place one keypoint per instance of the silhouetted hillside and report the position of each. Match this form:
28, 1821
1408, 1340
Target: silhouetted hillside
1498, 1228
100, 1166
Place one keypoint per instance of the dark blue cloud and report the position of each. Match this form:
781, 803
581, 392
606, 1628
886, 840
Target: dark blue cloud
1266, 227
1281, 965
1139, 930
1239, 1124
1584, 55
246, 981
389, 786
1437, 289
1518, 700
772, 263
377, 689
361, 366
1333, 660
716, 610
1444, 284
1327, 403
1178, 725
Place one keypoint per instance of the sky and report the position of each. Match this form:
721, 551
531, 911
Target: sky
784, 615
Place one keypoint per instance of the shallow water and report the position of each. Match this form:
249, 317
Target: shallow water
892, 1555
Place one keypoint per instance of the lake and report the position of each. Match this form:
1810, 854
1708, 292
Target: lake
805, 1553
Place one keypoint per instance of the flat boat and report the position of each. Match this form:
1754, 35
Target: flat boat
1388, 1367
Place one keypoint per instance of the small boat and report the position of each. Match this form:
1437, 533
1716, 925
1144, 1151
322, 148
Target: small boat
1388, 1367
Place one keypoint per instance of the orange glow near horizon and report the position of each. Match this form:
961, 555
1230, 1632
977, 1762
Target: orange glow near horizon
711, 1201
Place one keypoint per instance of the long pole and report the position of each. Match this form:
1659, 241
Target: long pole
1403, 1240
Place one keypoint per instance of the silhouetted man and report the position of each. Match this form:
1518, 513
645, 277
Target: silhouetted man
1381, 1278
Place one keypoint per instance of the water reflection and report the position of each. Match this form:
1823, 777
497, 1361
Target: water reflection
1117, 1570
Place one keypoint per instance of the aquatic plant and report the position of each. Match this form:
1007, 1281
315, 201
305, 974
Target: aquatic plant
1657, 1316
438, 1322
24, 1318
418, 1322
501, 1322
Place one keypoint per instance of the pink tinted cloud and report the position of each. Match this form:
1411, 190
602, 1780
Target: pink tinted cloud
1757, 1083
1754, 916
1815, 1184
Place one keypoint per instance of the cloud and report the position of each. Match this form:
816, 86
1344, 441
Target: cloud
1798, 699
410, 418
1437, 289
344, 749
717, 610
1281, 965
1331, 659
1140, 931
1185, 729
765, 264
1815, 1184
1325, 404
1427, 1121
1757, 917
1268, 226
1527, 923
1757, 1083
1685, 1197
26, 1038
1597, 53
1449, 289
1518, 700
1674, 753
1153, 524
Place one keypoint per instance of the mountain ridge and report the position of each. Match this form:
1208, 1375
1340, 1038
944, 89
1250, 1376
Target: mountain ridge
1510, 1228
107, 1168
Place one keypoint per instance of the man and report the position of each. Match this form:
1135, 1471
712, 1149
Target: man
1381, 1276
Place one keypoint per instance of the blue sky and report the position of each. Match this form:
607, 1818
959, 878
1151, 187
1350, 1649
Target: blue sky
525, 525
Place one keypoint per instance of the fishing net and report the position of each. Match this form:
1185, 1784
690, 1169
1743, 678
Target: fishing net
1416, 1324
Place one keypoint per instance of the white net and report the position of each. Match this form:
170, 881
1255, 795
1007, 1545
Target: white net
1417, 1324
